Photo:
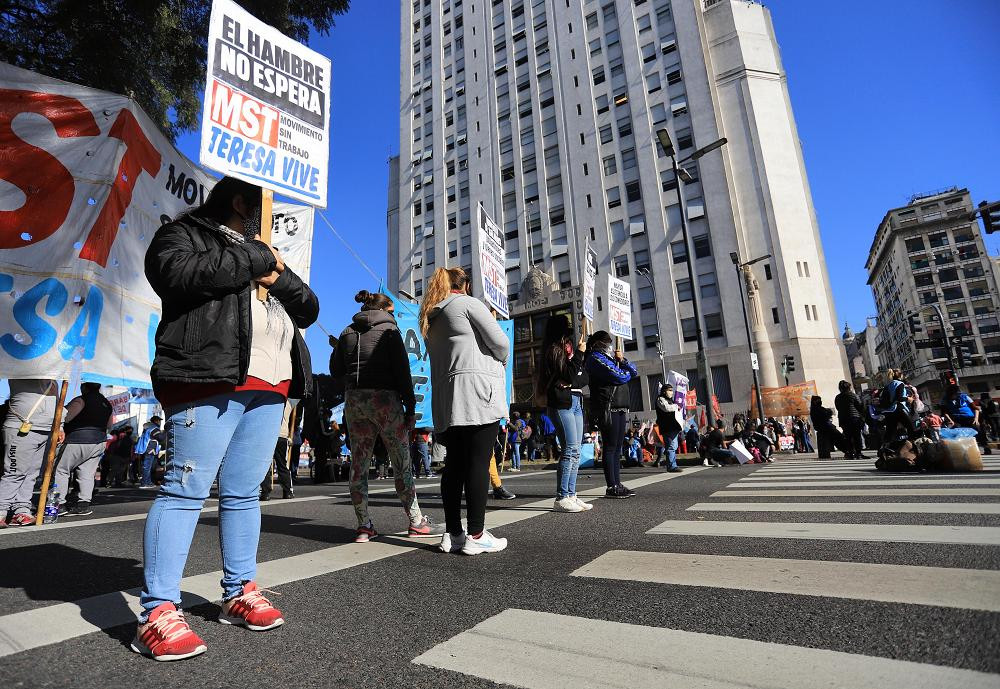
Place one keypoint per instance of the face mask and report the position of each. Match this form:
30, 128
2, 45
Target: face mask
251, 224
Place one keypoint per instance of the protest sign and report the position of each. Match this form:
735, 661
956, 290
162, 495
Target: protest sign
680, 383
491, 263
266, 118
791, 400
589, 282
619, 308
119, 403
88, 179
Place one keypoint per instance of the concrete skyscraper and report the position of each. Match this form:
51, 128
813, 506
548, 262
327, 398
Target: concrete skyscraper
545, 112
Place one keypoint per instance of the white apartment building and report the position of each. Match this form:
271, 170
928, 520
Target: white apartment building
545, 112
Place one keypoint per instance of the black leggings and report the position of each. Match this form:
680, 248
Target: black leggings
467, 466
613, 435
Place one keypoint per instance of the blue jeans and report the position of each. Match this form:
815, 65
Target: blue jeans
231, 436
421, 459
569, 429
515, 455
670, 444
147, 469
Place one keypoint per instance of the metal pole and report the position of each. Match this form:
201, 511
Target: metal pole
746, 323
704, 370
947, 340
659, 342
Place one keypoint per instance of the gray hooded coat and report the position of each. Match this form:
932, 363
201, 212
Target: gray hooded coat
468, 351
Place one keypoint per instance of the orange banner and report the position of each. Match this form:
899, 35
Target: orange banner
791, 400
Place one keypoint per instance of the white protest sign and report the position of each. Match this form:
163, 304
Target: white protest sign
119, 403
589, 282
491, 263
619, 308
680, 383
87, 179
267, 107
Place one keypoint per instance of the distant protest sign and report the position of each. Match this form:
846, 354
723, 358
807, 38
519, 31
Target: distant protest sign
619, 308
589, 283
267, 107
791, 400
87, 179
491, 263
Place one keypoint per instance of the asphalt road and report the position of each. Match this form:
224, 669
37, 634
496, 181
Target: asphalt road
360, 618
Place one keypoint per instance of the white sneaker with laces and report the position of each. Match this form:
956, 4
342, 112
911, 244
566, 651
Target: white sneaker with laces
566, 504
486, 543
585, 505
452, 544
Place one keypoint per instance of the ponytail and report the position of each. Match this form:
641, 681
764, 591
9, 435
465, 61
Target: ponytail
373, 301
440, 285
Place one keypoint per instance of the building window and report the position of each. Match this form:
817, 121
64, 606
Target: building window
641, 259
684, 290
632, 190
653, 82
648, 52
678, 251
644, 23
599, 76
659, 113
610, 167
915, 244
674, 77
707, 285
774, 314
713, 325
418, 287
720, 381
625, 126
606, 134
689, 329
702, 247
614, 197
628, 159
767, 273
602, 104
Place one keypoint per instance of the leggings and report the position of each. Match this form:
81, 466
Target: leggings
466, 467
613, 435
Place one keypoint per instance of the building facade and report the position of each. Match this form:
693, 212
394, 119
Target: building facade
545, 113
929, 254
862, 359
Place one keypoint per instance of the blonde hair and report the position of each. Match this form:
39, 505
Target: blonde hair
442, 282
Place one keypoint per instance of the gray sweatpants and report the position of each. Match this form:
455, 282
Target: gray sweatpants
22, 461
84, 458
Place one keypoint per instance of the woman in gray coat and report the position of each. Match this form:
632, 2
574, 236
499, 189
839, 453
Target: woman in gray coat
468, 350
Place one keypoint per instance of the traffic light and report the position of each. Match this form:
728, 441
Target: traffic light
990, 213
789, 363
915, 325
963, 354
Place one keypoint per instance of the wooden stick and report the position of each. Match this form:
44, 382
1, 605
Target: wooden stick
50, 455
506, 441
266, 204
618, 347
291, 440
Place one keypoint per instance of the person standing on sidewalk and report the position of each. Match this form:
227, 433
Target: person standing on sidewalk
669, 421
225, 364
147, 448
561, 379
280, 460
610, 373
515, 433
468, 351
88, 418
851, 415
420, 452
371, 365
26, 438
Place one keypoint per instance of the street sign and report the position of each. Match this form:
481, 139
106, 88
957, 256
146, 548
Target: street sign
753, 361
932, 343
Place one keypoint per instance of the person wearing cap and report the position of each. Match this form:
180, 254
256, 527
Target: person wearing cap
148, 448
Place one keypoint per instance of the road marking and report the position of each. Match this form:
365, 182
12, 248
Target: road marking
538, 650
862, 492
902, 533
912, 478
972, 589
908, 482
897, 507
64, 621
72, 523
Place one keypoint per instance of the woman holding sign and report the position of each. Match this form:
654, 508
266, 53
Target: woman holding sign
225, 364
609, 373
468, 351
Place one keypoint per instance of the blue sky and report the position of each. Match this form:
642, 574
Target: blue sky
890, 99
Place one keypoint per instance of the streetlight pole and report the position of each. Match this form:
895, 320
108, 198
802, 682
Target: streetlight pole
754, 364
644, 272
944, 332
704, 369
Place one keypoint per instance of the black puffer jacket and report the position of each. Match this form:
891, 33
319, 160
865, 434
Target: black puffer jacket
370, 356
849, 408
205, 285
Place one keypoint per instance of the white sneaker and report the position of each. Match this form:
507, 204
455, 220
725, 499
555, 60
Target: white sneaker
452, 544
486, 543
585, 505
566, 504
705, 463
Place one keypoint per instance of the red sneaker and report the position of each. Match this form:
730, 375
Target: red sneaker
365, 534
21, 519
167, 636
251, 610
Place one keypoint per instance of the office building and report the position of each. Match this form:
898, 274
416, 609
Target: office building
545, 112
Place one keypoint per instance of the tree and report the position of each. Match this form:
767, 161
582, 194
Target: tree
151, 50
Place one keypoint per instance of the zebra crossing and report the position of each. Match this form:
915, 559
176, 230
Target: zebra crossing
939, 510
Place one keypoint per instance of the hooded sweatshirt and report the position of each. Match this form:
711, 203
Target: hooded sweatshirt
468, 351
370, 356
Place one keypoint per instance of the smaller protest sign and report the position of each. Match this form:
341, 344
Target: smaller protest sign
680, 383
119, 404
589, 282
491, 263
619, 308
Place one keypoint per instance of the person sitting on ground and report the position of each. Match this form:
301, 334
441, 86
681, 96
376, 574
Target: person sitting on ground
958, 409
716, 446
932, 425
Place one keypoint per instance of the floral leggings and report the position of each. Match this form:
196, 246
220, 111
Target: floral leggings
379, 413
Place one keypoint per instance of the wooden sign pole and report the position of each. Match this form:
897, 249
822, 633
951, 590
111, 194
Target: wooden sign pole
50, 455
266, 204
291, 440
618, 347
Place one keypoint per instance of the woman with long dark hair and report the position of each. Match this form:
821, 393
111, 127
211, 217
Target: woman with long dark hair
561, 378
828, 436
371, 365
225, 364
468, 350
610, 373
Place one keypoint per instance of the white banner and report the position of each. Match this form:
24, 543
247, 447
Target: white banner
86, 179
619, 308
267, 107
589, 283
491, 263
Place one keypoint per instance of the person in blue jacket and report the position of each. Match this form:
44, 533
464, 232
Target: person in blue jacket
610, 373
959, 409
